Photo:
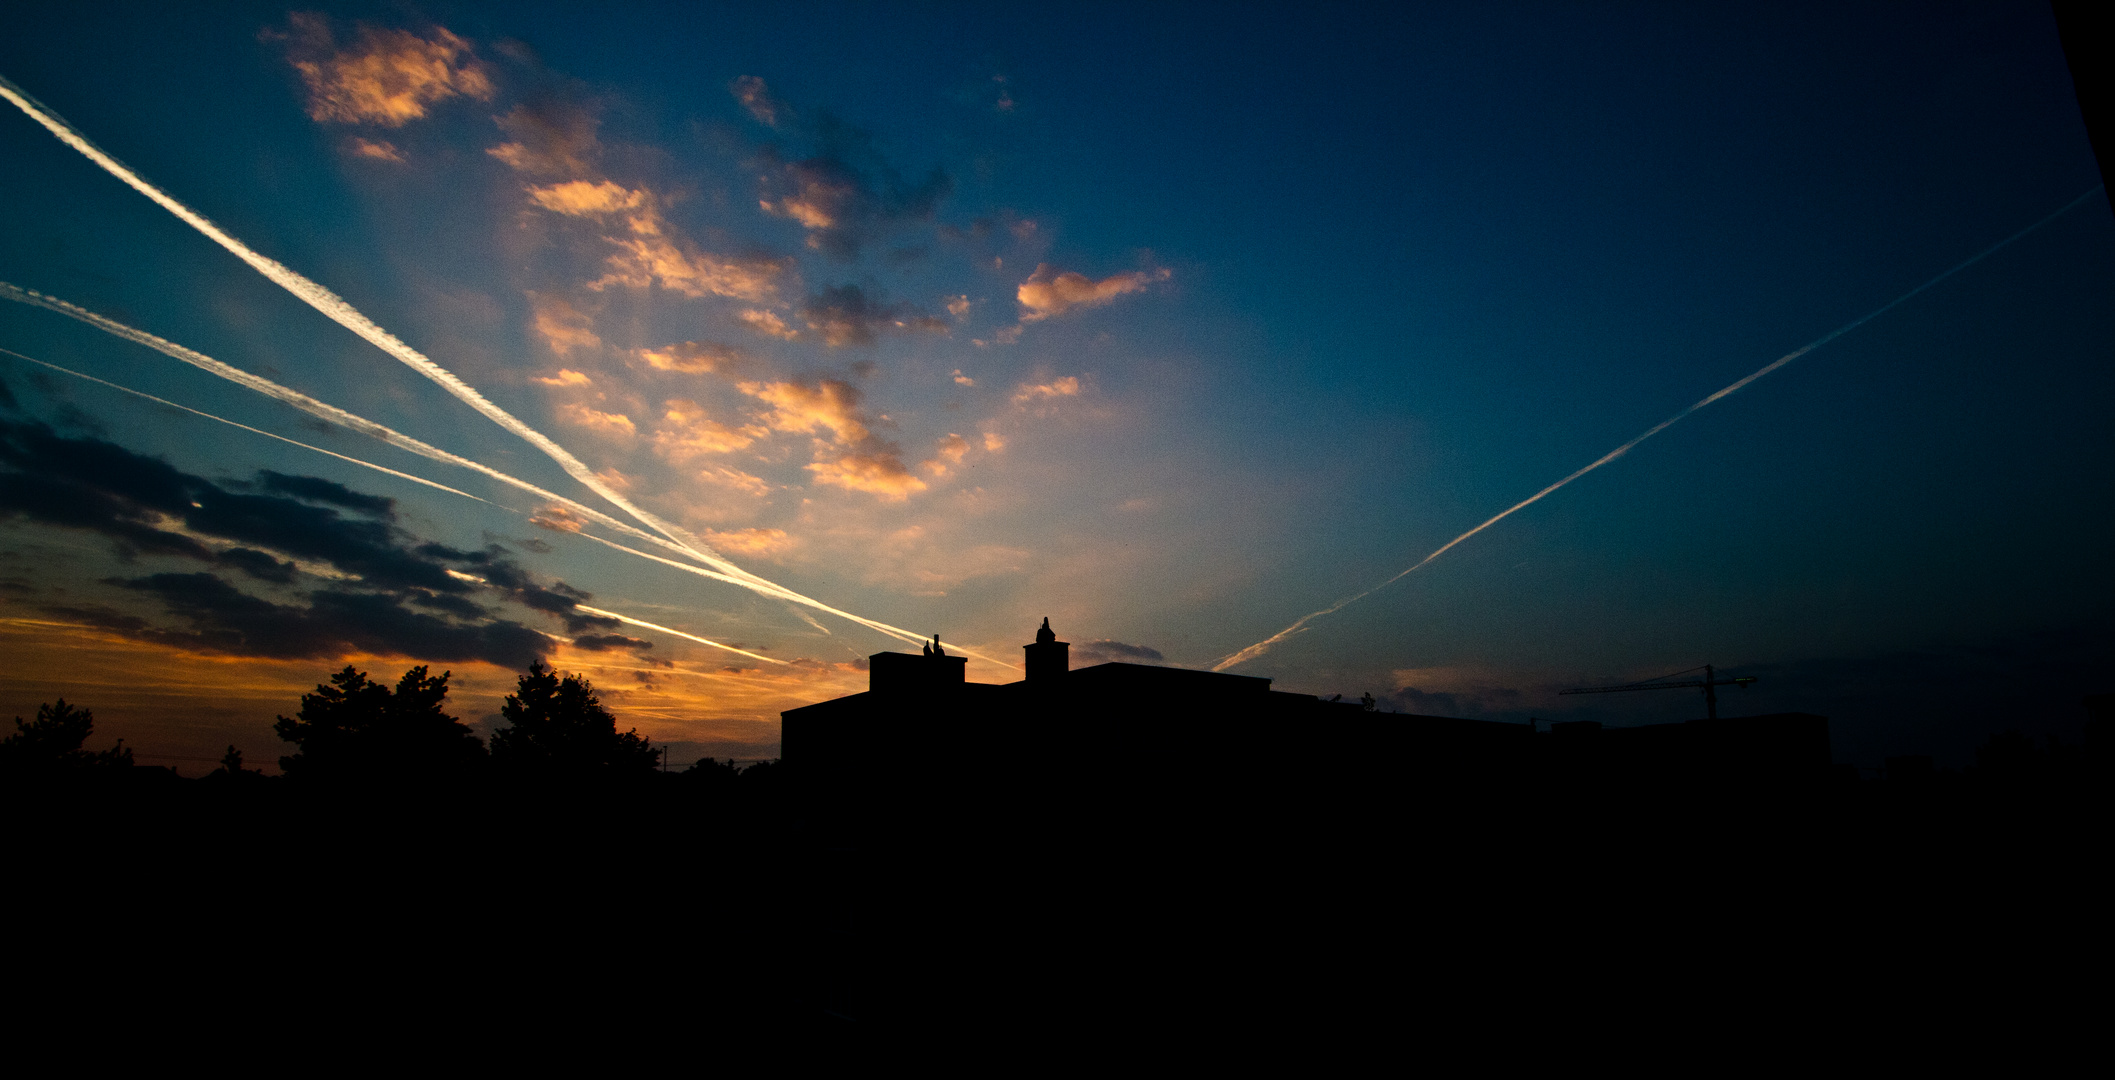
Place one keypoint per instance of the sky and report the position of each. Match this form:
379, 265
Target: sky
707, 351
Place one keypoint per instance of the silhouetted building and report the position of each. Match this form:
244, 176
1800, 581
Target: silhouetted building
922, 730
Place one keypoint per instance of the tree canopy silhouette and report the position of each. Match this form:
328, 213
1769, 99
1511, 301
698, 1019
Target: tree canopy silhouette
560, 729
355, 729
51, 744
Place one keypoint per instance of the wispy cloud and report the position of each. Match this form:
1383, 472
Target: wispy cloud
687, 431
562, 326
756, 98
548, 139
1048, 293
385, 77
374, 149
694, 357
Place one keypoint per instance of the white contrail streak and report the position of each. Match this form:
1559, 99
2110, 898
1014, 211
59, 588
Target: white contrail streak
464, 494
246, 427
338, 310
334, 307
355, 422
1266, 644
629, 621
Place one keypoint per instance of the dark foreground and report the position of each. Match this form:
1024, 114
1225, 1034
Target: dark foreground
1063, 908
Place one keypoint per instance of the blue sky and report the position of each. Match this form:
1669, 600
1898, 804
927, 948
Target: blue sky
1171, 324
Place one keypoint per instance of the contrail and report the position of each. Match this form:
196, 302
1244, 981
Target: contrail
355, 422
334, 307
246, 427
455, 491
338, 310
628, 620
1261, 647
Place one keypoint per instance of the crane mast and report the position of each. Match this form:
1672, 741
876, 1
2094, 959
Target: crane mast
1710, 682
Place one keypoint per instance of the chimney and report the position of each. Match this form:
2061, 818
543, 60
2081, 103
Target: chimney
1048, 658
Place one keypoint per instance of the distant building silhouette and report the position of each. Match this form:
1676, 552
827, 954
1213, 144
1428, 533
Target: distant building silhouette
922, 725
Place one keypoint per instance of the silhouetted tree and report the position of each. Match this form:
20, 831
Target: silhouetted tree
231, 770
356, 729
560, 729
51, 744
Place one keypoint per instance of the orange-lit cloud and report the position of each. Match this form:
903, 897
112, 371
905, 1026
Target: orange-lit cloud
687, 432
756, 97
374, 149
993, 442
1067, 386
1047, 293
565, 377
768, 323
751, 541
693, 357
948, 454
875, 472
562, 326
557, 519
547, 139
645, 261
734, 480
584, 198
581, 416
386, 77
828, 405
963, 380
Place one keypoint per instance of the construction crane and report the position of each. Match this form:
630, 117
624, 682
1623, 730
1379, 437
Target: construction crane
1710, 682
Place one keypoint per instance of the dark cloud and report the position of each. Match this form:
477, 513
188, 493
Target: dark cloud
1106, 651
604, 642
258, 565
7, 398
96, 486
225, 619
847, 194
313, 489
846, 315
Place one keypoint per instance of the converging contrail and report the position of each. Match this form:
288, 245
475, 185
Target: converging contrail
245, 427
628, 620
334, 307
325, 411
1261, 647
338, 310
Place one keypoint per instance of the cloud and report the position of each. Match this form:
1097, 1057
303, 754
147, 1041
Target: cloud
1048, 293
879, 472
693, 357
547, 139
582, 416
606, 642
688, 432
385, 77
963, 380
844, 205
768, 323
735, 480
644, 261
1106, 651
586, 198
993, 442
278, 529
958, 306
947, 454
312, 489
756, 97
557, 519
805, 408
376, 149
751, 541
845, 315
565, 377
226, 620
562, 326
1067, 386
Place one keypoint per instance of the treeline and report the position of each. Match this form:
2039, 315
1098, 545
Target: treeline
353, 733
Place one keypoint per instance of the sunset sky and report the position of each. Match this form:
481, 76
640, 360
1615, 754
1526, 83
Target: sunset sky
1173, 325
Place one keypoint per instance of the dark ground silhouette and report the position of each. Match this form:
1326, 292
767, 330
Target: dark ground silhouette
1195, 883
